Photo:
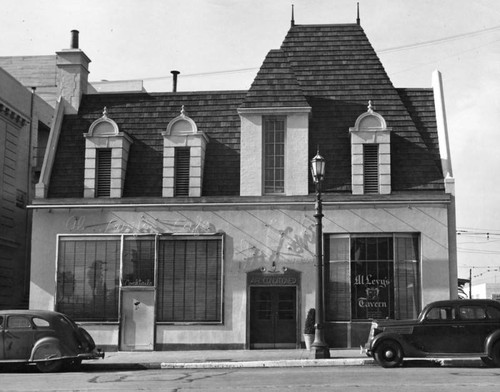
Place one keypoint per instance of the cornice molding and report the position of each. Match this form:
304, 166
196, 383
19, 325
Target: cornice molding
12, 115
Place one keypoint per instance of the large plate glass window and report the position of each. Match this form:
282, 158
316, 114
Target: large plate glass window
88, 270
189, 279
372, 277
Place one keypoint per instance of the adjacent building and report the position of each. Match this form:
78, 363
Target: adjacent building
24, 127
184, 220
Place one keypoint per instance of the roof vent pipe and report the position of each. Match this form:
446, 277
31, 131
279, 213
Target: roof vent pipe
174, 80
74, 39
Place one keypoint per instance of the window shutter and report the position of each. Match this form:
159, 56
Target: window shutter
370, 168
182, 158
103, 180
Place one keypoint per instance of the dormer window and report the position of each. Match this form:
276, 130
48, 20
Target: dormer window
274, 155
370, 154
106, 156
183, 157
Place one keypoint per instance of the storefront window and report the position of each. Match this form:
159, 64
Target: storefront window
87, 278
189, 280
372, 277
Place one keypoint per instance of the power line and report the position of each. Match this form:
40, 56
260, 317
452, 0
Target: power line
383, 51
438, 40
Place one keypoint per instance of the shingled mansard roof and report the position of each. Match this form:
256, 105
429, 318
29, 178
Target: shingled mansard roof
331, 68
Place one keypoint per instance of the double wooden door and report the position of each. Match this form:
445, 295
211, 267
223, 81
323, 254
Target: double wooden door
273, 317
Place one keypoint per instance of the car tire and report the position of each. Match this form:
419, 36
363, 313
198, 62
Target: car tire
495, 354
50, 366
388, 354
488, 361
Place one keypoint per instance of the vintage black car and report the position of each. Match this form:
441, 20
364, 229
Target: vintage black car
443, 329
47, 339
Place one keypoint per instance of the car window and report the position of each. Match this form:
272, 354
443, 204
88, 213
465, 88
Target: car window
18, 322
472, 312
441, 313
1, 322
493, 313
40, 322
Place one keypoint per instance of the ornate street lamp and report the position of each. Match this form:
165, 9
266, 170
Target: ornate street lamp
319, 347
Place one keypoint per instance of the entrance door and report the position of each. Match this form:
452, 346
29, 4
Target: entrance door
137, 320
273, 320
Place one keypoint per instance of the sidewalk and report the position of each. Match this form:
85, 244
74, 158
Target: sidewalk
215, 359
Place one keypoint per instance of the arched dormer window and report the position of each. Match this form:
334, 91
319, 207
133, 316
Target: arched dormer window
184, 156
370, 154
106, 156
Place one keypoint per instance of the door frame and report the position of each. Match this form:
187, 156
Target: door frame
121, 324
288, 278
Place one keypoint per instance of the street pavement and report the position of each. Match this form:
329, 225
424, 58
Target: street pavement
214, 359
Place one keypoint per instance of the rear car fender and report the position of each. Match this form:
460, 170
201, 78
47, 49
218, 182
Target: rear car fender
47, 348
491, 340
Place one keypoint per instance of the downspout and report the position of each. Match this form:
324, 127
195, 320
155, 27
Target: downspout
449, 180
29, 213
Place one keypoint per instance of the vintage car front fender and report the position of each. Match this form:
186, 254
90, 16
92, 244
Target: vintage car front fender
491, 340
48, 348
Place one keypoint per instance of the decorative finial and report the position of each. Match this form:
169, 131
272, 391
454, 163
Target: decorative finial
293, 17
105, 112
370, 107
183, 112
358, 21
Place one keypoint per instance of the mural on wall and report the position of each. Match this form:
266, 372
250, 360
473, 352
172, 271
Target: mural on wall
259, 237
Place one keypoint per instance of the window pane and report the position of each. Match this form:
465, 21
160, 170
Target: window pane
87, 278
338, 298
274, 155
138, 261
407, 291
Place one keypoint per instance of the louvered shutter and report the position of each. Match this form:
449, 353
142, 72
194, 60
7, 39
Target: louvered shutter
182, 157
370, 168
103, 180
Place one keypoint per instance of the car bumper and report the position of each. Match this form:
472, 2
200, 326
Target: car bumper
366, 350
94, 354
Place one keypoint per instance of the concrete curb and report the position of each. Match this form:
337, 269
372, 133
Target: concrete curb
270, 364
441, 362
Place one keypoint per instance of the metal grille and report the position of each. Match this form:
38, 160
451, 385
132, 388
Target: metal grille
370, 168
103, 180
182, 157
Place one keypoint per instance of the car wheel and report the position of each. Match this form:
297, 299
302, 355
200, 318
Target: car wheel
389, 354
488, 361
50, 366
495, 354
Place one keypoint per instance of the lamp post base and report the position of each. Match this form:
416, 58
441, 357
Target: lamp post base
319, 352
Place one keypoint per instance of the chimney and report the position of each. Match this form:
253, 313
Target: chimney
174, 80
74, 39
72, 74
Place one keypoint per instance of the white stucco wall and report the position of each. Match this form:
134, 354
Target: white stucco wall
255, 237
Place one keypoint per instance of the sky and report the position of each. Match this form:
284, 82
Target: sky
220, 44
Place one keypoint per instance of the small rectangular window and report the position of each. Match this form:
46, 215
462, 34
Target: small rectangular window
370, 168
15, 322
103, 175
182, 161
